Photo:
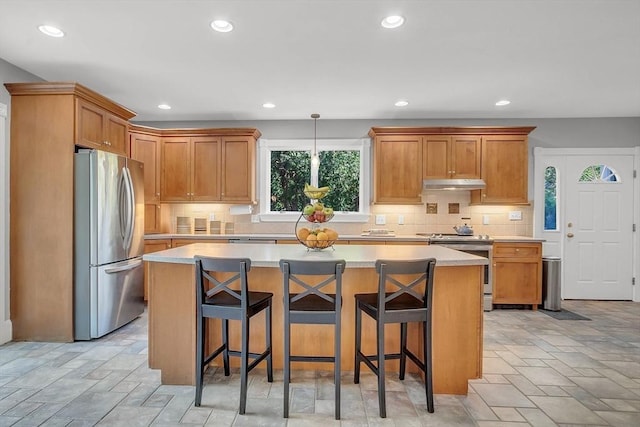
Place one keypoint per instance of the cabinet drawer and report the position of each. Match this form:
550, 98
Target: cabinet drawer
519, 250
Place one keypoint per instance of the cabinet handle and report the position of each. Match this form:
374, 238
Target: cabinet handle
158, 194
569, 235
453, 172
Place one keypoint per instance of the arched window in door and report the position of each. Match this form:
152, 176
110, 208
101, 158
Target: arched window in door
599, 173
550, 199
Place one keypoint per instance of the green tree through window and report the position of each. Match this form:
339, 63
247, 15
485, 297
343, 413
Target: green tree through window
550, 206
339, 170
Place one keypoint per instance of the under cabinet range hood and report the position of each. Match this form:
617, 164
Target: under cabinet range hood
453, 184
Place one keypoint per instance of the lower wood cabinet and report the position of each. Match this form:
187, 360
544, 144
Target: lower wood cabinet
517, 273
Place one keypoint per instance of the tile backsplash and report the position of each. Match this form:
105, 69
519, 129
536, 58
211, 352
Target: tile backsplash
432, 216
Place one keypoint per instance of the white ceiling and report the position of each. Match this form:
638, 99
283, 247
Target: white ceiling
451, 59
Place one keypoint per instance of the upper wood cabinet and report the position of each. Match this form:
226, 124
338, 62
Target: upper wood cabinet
397, 169
238, 169
190, 167
404, 156
216, 165
504, 170
99, 128
456, 156
145, 147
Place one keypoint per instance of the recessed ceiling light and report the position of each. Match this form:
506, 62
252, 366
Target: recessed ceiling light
393, 21
164, 107
269, 105
401, 103
51, 31
221, 26
503, 102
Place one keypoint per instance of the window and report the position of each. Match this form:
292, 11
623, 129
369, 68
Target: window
599, 173
285, 166
550, 199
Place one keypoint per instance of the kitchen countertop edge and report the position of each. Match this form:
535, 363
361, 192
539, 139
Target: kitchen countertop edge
382, 238
356, 256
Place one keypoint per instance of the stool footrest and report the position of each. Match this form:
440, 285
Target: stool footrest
258, 357
213, 355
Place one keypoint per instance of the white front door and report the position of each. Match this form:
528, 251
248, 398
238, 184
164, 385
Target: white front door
589, 222
597, 232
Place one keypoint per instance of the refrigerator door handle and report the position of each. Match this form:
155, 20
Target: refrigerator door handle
130, 208
122, 184
123, 267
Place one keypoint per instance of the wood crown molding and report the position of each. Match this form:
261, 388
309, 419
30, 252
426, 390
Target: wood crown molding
69, 88
252, 132
451, 130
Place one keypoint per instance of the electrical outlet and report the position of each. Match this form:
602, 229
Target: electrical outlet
400, 219
381, 220
255, 219
485, 219
515, 215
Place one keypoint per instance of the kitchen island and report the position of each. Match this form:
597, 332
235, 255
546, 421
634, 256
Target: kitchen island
457, 312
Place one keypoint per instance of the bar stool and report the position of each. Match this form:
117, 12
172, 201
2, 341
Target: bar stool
400, 306
216, 300
312, 306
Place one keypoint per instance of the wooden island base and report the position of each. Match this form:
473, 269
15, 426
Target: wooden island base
457, 324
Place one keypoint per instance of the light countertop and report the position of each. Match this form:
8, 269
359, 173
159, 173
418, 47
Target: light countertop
283, 236
356, 256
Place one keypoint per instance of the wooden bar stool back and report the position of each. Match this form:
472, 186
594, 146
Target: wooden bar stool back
216, 299
401, 305
312, 306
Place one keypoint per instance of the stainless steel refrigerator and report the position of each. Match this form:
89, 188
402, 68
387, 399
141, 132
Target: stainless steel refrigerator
108, 242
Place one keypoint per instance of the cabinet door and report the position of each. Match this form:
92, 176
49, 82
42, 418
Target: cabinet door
435, 157
464, 157
398, 169
116, 135
175, 176
504, 170
152, 218
516, 281
205, 173
146, 149
238, 169
90, 125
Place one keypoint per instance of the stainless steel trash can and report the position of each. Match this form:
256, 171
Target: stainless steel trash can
551, 283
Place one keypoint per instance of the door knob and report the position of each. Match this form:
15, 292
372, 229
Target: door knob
569, 235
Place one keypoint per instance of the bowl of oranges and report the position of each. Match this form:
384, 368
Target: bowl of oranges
318, 238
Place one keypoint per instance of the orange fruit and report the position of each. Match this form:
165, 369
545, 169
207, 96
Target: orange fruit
331, 234
311, 240
303, 233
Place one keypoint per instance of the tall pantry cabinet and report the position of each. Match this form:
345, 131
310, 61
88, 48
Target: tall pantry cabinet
47, 121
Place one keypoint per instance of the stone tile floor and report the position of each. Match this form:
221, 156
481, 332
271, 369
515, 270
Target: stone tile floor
538, 371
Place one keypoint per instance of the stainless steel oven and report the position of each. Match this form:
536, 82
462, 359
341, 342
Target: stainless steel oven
475, 245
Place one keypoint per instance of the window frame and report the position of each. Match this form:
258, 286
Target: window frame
265, 146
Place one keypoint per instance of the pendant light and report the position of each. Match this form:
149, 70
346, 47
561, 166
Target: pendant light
315, 159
